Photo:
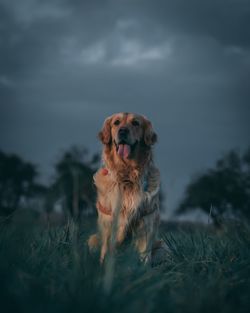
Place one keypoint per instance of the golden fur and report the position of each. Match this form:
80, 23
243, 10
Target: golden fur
128, 187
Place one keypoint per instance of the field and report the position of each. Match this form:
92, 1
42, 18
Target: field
48, 269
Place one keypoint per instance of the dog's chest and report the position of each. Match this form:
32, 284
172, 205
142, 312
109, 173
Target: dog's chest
122, 191
130, 195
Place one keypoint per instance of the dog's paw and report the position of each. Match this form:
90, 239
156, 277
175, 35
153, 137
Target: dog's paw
93, 242
160, 253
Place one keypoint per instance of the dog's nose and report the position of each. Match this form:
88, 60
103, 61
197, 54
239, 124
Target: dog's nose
123, 132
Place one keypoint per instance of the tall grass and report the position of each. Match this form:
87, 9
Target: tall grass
49, 269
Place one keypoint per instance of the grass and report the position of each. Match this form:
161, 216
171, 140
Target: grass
49, 269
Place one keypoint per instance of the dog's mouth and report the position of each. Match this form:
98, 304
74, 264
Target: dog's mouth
124, 150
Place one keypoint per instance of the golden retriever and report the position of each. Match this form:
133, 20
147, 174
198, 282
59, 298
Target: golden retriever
127, 185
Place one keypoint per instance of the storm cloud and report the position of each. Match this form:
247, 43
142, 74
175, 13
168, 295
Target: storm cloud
66, 65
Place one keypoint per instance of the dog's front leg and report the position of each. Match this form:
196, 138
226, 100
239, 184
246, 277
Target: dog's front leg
146, 231
121, 231
141, 240
105, 242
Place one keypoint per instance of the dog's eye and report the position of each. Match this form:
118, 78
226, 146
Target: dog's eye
135, 123
117, 122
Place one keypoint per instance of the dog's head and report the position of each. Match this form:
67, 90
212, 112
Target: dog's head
125, 133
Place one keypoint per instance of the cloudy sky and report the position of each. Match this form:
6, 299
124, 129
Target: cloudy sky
67, 64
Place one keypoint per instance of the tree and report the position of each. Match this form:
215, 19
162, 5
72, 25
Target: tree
73, 183
226, 188
17, 180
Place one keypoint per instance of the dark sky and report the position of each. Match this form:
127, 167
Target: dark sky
65, 65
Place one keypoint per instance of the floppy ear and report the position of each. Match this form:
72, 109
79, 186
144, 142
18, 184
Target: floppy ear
105, 134
150, 137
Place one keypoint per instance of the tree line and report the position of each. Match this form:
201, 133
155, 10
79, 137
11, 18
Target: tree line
223, 189
72, 185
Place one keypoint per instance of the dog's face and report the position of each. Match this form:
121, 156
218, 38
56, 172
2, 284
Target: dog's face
126, 132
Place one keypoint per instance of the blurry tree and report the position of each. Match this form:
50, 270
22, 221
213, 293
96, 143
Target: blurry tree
225, 189
73, 183
17, 181
161, 200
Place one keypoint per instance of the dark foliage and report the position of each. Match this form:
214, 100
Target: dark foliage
17, 180
224, 189
73, 183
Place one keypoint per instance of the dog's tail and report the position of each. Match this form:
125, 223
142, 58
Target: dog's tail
93, 242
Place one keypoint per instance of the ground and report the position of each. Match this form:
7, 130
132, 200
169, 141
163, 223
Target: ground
47, 268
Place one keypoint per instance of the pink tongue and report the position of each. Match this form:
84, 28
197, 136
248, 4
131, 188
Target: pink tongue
124, 150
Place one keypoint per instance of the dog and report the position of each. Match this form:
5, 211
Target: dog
128, 185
